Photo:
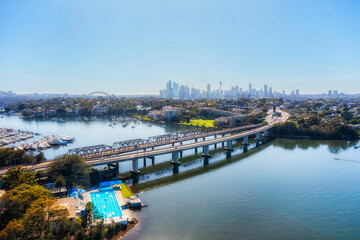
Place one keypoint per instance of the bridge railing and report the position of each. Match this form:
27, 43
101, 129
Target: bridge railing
135, 144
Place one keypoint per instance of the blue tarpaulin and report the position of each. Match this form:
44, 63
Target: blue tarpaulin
74, 194
109, 183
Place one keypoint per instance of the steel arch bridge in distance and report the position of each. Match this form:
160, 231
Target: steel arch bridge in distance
95, 93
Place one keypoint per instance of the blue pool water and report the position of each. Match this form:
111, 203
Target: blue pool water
105, 188
106, 203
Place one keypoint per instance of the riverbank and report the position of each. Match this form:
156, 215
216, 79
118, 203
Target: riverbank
130, 226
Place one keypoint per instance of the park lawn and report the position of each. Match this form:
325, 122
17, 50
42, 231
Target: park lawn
125, 191
200, 123
142, 117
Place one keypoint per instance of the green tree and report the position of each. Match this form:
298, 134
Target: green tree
110, 232
39, 174
14, 230
91, 214
18, 200
60, 182
40, 157
47, 218
72, 168
16, 176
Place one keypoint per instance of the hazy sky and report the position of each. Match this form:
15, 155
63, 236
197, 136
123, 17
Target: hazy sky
137, 46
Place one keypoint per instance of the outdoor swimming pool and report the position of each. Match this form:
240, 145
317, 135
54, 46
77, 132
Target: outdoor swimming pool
106, 203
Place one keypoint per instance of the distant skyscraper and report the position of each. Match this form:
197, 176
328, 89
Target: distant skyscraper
175, 90
330, 93
208, 91
169, 91
250, 90
265, 90
297, 92
270, 92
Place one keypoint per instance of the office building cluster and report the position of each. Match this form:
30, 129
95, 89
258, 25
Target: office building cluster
174, 91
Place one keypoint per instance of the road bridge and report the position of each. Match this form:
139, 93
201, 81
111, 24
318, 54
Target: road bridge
149, 151
97, 151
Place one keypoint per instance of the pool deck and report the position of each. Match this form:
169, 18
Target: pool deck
122, 204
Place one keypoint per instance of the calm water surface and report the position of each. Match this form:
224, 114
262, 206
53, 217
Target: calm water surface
88, 133
291, 189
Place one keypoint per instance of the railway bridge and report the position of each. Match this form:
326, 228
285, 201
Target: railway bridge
173, 144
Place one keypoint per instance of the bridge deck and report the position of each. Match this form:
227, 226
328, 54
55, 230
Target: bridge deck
161, 151
166, 150
132, 145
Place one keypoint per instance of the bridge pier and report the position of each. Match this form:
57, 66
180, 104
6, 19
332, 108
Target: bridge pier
181, 154
135, 165
245, 148
265, 133
228, 145
144, 162
215, 145
175, 169
223, 144
246, 140
135, 178
153, 160
175, 158
115, 165
206, 161
206, 152
228, 154
258, 136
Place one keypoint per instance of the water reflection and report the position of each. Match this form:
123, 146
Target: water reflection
334, 146
200, 162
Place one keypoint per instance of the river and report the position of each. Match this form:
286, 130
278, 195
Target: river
289, 189
88, 133
285, 189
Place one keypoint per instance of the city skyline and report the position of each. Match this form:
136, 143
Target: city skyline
65, 47
176, 90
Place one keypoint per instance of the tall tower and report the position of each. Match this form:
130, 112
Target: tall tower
265, 90
175, 90
249, 90
208, 91
169, 89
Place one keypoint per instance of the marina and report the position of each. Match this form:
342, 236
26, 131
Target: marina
45, 142
86, 133
9, 136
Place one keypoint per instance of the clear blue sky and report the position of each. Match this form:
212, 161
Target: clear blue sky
137, 46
